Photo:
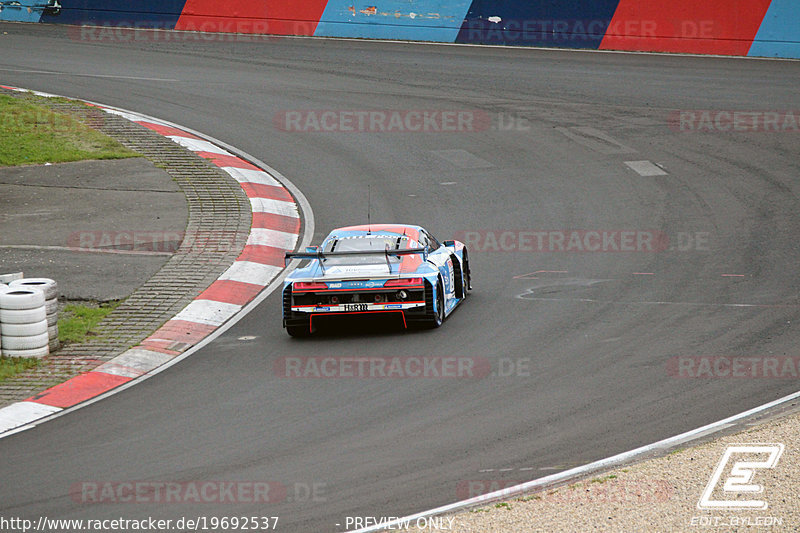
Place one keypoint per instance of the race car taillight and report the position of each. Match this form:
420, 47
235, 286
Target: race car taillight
308, 286
403, 282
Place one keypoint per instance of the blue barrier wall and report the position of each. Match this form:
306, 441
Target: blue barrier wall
139, 13
574, 24
26, 11
779, 31
433, 20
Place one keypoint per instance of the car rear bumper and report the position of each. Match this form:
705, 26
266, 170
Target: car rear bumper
300, 312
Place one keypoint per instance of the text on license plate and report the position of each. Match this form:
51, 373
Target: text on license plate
355, 307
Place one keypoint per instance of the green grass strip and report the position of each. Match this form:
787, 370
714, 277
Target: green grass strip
34, 134
77, 321
10, 366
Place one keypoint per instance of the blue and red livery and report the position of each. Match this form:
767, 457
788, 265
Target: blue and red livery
395, 269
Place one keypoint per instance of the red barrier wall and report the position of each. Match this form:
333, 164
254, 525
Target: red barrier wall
725, 27
276, 17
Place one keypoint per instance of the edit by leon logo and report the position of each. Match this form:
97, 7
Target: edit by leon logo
740, 477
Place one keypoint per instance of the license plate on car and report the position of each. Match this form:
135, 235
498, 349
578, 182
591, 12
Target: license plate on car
355, 307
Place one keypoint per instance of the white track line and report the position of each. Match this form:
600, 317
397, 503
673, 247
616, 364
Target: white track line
112, 76
645, 168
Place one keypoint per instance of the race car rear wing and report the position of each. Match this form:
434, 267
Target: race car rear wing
320, 255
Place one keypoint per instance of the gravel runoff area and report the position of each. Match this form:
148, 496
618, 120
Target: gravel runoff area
660, 494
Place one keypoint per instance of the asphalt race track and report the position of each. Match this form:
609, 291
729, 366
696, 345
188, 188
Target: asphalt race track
591, 340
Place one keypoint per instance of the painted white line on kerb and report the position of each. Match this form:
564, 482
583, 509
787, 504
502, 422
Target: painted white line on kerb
247, 271
646, 168
271, 237
130, 115
208, 312
197, 145
275, 207
246, 175
134, 363
581, 471
20, 413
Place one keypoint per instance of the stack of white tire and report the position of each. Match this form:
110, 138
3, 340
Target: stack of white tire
50, 289
23, 322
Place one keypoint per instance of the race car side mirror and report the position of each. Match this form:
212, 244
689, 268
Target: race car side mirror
450, 244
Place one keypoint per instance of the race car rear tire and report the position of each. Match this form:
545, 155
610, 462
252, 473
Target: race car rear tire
296, 324
436, 317
298, 330
466, 274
